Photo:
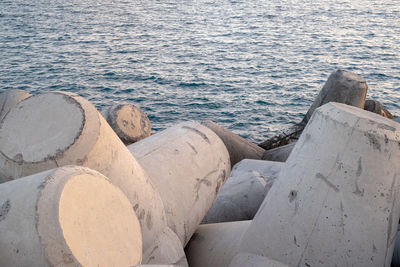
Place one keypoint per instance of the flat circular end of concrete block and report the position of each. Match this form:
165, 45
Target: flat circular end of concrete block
82, 219
41, 127
129, 122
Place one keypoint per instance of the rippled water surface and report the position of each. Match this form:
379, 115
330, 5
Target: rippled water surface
252, 66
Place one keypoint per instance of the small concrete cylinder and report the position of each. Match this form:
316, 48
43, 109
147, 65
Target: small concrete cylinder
244, 191
71, 216
336, 201
215, 244
189, 164
56, 129
129, 122
9, 99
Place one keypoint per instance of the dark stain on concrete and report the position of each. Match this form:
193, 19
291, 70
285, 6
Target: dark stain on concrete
4, 209
198, 132
198, 185
292, 195
386, 127
149, 222
373, 141
329, 183
141, 215
359, 168
295, 241
359, 191
192, 147
135, 208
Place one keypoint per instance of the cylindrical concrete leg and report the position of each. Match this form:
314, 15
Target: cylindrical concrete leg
189, 164
238, 147
215, 244
56, 129
342, 87
279, 154
129, 122
377, 107
336, 200
9, 99
71, 216
244, 191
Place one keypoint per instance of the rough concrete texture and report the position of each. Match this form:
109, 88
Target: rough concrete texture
244, 191
188, 164
336, 201
166, 249
56, 129
377, 107
279, 154
396, 250
341, 87
129, 122
215, 244
9, 99
252, 260
71, 216
238, 147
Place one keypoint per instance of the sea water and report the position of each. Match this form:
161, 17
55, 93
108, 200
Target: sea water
252, 66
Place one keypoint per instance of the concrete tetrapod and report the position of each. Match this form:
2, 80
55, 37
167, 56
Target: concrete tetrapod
336, 201
244, 191
56, 129
215, 244
129, 122
189, 164
71, 216
9, 99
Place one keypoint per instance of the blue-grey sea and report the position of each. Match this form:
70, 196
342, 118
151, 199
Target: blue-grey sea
252, 66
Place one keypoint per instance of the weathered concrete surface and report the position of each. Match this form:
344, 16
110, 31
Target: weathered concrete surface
166, 249
336, 201
252, 260
71, 216
9, 99
56, 129
244, 191
215, 244
279, 154
377, 107
342, 87
238, 147
129, 122
188, 164
397, 119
